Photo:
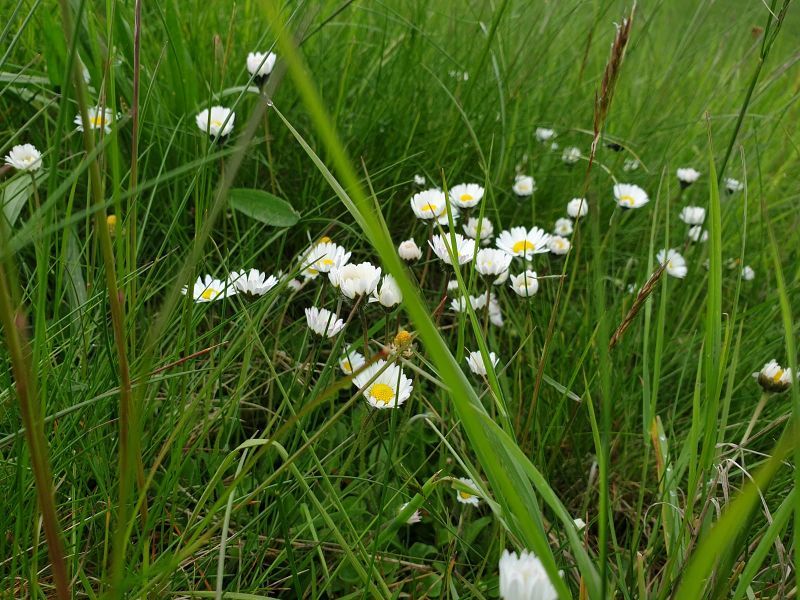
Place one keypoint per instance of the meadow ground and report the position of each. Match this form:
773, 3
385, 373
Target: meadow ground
577, 393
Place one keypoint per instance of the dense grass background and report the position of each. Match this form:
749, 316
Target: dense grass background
392, 81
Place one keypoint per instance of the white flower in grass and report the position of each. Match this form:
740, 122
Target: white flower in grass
733, 185
465, 497
216, 121
577, 207
295, 285
99, 118
525, 284
24, 157
419, 179
693, 215
543, 134
452, 284
571, 155
323, 322
455, 212
466, 195
580, 524
389, 389
495, 313
747, 273
563, 227
774, 378
408, 250
687, 176
476, 364
208, 289
501, 278
388, 293
355, 280
519, 241
629, 195
486, 229
252, 282
325, 256
524, 185
554, 146
697, 234
524, 577
630, 164
460, 304
351, 361
558, 245
463, 251
674, 261
492, 262
429, 204
260, 64
415, 516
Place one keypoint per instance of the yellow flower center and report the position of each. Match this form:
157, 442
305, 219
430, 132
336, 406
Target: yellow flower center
325, 240
464, 495
523, 246
312, 272
381, 392
215, 123
111, 223
347, 367
97, 120
327, 262
778, 374
209, 294
402, 339
669, 264
431, 207
466, 197
627, 200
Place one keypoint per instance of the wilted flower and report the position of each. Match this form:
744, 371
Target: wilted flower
524, 185
693, 215
774, 378
476, 364
629, 195
463, 251
675, 263
466, 195
408, 250
216, 121
24, 157
519, 241
388, 390
525, 284
524, 577
323, 322
563, 227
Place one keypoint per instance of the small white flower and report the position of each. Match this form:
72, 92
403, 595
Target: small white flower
519, 241
492, 262
580, 524
733, 185
525, 284
323, 322
465, 497
486, 229
415, 516
774, 378
252, 282
543, 134
295, 284
476, 364
25, 157
747, 273
216, 122
563, 227
571, 155
554, 146
323, 257
408, 250
429, 204
389, 389
687, 176
460, 304
466, 195
260, 64
452, 285
388, 293
419, 179
495, 313
524, 577
464, 250
558, 244
501, 278
524, 185
99, 118
675, 263
577, 207
630, 164
351, 361
208, 289
355, 280
693, 215
454, 212
697, 234
629, 195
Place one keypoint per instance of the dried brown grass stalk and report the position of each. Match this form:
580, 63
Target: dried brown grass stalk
647, 288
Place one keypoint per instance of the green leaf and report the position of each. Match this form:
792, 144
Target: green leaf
263, 207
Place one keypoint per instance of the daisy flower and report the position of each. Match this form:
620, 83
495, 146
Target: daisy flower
351, 361
355, 280
748, 274
419, 180
687, 176
486, 229
466, 195
495, 313
99, 118
323, 322
465, 497
452, 284
571, 155
630, 164
388, 294
408, 250
524, 185
693, 215
389, 389
558, 245
774, 378
455, 212
476, 364
501, 278
563, 227
260, 64
464, 250
492, 262
525, 284
519, 241
697, 234
733, 185
543, 134
629, 195
325, 256
208, 289
675, 263
216, 121
429, 204
460, 304
577, 207
524, 577
415, 516
24, 157
252, 282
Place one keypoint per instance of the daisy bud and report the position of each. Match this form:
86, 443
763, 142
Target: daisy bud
524, 185
476, 364
408, 250
773, 378
687, 176
577, 207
